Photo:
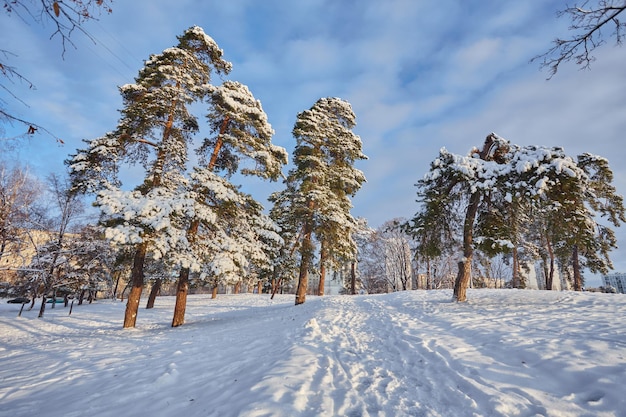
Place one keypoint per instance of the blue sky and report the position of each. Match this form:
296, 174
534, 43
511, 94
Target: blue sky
420, 75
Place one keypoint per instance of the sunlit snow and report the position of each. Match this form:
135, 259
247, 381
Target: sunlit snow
415, 353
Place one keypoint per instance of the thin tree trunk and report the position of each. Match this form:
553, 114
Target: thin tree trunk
550, 278
306, 255
578, 279
214, 292
154, 291
42, 308
516, 279
237, 288
259, 287
323, 256
132, 305
465, 264
353, 278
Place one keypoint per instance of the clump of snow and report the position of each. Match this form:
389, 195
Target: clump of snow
504, 353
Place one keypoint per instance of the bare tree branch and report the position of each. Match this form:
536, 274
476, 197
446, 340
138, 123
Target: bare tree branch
66, 16
588, 21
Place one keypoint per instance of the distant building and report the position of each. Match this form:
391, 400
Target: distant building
616, 280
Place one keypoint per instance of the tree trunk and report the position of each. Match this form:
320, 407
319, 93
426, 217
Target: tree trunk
353, 278
259, 287
237, 288
516, 279
320, 288
132, 305
550, 277
306, 254
182, 290
578, 279
154, 291
214, 292
42, 308
465, 265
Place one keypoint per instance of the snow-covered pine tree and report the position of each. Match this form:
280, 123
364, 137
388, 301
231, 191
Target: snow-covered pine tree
544, 180
155, 128
316, 200
241, 136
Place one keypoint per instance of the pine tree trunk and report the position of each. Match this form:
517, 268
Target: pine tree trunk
214, 292
237, 288
353, 278
132, 305
465, 265
550, 278
182, 288
306, 253
181, 298
578, 279
323, 257
154, 291
259, 287
515, 281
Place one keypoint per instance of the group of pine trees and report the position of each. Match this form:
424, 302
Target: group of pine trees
527, 202
189, 214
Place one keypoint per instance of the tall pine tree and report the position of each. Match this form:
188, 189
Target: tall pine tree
315, 205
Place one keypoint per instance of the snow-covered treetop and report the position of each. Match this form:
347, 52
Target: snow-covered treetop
241, 126
535, 168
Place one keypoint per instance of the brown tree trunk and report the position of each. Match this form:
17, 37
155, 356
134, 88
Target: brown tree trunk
259, 287
353, 278
465, 265
578, 279
550, 277
42, 308
516, 278
320, 287
182, 289
154, 291
132, 305
306, 252
237, 288
214, 292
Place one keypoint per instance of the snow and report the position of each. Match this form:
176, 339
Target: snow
503, 353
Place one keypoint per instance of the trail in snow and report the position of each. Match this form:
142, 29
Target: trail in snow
504, 353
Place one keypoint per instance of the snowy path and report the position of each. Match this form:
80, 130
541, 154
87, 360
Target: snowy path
504, 353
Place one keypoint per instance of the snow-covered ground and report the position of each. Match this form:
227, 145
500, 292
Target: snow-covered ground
503, 353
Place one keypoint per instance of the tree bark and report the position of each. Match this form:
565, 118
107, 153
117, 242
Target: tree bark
154, 291
214, 292
550, 277
353, 278
578, 279
132, 305
259, 287
306, 255
323, 256
182, 289
465, 265
516, 278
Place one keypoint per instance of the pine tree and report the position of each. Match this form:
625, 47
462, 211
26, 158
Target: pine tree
241, 135
155, 128
316, 201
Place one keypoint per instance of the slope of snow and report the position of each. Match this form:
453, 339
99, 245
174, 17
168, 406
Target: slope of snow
504, 353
